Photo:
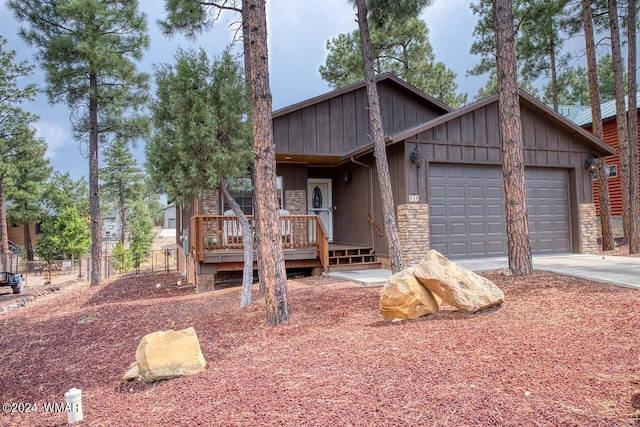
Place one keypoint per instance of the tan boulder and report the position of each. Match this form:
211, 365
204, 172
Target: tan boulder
133, 373
168, 354
455, 284
402, 297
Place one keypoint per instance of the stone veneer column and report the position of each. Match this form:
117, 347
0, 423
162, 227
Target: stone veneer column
413, 232
295, 201
588, 228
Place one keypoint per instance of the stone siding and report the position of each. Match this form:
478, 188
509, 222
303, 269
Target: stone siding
413, 232
295, 201
588, 229
211, 203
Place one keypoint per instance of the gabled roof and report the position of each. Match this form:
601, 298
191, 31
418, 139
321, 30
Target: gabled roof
607, 110
597, 145
356, 86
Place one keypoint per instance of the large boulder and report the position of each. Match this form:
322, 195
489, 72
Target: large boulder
455, 284
403, 297
168, 354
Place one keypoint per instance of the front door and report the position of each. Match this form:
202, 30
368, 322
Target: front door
319, 203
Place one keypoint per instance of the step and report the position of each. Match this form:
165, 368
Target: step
344, 252
358, 266
351, 259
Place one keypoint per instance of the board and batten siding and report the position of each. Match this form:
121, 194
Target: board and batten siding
340, 125
474, 138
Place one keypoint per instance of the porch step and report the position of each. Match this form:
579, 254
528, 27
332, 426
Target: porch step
351, 258
356, 266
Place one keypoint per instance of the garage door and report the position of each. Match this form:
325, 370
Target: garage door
467, 218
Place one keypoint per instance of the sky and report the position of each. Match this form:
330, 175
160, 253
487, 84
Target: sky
298, 32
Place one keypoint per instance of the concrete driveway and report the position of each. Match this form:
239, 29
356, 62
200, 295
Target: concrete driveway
618, 270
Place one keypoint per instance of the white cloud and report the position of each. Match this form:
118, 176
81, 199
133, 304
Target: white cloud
55, 136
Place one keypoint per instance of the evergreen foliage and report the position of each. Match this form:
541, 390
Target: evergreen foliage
401, 48
201, 132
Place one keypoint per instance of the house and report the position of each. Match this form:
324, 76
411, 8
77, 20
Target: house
612, 162
169, 216
445, 173
16, 233
111, 226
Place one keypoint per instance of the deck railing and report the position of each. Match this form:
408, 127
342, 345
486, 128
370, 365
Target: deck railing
223, 232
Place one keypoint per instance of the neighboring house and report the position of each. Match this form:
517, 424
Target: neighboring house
445, 173
111, 225
169, 216
610, 136
15, 232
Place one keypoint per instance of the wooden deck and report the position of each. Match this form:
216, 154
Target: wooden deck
217, 239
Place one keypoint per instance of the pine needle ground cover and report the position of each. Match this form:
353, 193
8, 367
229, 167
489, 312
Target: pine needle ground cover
559, 351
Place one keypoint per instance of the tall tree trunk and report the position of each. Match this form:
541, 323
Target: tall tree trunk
246, 36
379, 148
4, 232
518, 245
28, 244
554, 74
634, 193
272, 267
94, 186
123, 217
596, 128
247, 242
621, 115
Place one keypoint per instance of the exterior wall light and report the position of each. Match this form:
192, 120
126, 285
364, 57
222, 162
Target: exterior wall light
416, 157
590, 163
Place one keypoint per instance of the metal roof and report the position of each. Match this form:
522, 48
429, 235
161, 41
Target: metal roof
607, 110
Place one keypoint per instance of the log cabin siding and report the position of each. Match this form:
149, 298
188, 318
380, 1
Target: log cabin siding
615, 186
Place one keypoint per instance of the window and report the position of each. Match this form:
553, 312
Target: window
38, 228
609, 170
241, 191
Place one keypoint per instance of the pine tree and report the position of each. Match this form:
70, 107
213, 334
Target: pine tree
596, 127
401, 48
539, 37
88, 49
27, 184
193, 17
122, 180
62, 192
632, 88
518, 245
201, 136
15, 134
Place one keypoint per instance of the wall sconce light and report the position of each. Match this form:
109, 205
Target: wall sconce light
416, 157
347, 177
590, 163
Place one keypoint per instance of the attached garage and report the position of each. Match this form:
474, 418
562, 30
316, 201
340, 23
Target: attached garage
458, 185
467, 215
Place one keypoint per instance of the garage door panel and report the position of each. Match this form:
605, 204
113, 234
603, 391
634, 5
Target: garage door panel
458, 229
482, 231
457, 211
494, 193
438, 191
475, 210
475, 192
438, 230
